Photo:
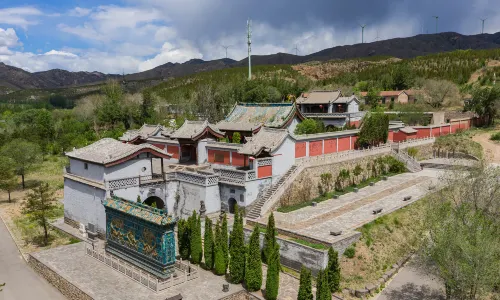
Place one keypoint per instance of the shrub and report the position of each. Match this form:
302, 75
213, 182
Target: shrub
236, 138
495, 136
412, 151
350, 252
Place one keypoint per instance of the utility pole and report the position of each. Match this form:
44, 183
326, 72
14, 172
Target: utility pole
362, 33
225, 47
249, 41
296, 50
482, 28
437, 17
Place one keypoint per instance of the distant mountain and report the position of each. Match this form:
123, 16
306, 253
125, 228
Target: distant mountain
419, 45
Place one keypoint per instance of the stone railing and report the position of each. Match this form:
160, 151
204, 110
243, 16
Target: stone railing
326, 115
273, 199
238, 177
410, 162
343, 156
194, 178
414, 142
123, 183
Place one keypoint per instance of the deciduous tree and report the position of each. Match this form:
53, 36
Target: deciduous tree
8, 179
24, 154
438, 93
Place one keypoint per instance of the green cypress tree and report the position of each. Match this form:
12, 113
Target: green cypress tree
253, 271
273, 274
196, 244
333, 270
224, 242
183, 235
305, 288
209, 245
219, 261
322, 287
270, 239
237, 249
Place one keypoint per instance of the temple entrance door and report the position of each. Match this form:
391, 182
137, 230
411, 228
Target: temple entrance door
232, 203
155, 201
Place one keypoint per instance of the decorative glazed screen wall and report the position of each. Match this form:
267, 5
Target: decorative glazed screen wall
141, 235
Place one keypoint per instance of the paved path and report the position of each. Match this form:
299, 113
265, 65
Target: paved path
415, 281
22, 283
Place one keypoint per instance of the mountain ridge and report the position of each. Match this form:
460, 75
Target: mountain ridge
14, 78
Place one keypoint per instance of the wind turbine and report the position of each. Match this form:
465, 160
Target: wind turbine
482, 28
377, 38
362, 33
296, 50
437, 17
225, 47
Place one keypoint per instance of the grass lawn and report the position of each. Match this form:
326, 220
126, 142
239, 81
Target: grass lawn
383, 242
330, 195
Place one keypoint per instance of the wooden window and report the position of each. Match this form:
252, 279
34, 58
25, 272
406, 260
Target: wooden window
219, 157
86, 166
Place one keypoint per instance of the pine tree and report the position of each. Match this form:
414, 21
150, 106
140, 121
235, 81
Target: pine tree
270, 239
219, 262
273, 274
333, 270
196, 244
209, 245
305, 288
322, 287
39, 206
224, 242
253, 270
237, 249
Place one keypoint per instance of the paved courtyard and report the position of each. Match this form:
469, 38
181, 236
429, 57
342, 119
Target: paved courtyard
352, 210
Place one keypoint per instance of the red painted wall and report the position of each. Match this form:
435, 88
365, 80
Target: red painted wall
353, 142
399, 136
423, 132
315, 148
211, 156
435, 131
300, 149
238, 159
355, 123
161, 146
330, 146
344, 144
174, 150
390, 137
265, 171
454, 127
411, 136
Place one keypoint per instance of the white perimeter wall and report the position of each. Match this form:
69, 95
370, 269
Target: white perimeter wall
293, 124
82, 203
131, 168
283, 158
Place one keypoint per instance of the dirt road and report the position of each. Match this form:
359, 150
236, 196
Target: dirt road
491, 149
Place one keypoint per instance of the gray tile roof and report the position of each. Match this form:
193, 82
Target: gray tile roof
251, 116
346, 99
319, 97
107, 150
408, 129
268, 139
191, 129
144, 132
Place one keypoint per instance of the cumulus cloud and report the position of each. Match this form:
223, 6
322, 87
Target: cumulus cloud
79, 12
170, 53
20, 16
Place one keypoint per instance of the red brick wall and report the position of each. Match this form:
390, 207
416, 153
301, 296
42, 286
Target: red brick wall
238, 159
344, 144
300, 149
315, 148
330, 146
174, 150
211, 156
265, 171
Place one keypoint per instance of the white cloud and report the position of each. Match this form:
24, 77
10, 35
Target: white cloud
171, 53
20, 16
79, 12
8, 38
61, 53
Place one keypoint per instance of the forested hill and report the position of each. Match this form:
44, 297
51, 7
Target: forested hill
419, 45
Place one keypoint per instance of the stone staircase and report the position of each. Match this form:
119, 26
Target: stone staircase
411, 164
255, 212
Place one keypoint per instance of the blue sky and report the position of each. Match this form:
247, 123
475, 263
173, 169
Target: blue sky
136, 35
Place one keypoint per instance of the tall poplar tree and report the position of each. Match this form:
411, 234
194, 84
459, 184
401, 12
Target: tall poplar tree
253, 270
237, 249
270, 239
209, 245
305, 287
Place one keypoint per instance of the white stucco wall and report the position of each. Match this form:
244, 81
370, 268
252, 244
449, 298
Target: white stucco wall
202, 152
82, 203
131, 168
353, 107
254, 187
190, 197
293, 124
230, 191
283, 158
94, 171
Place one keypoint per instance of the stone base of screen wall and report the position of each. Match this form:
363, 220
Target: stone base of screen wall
66, 288
376, 287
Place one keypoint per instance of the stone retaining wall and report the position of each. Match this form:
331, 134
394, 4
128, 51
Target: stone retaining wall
66, 288
423, 151
241, 295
